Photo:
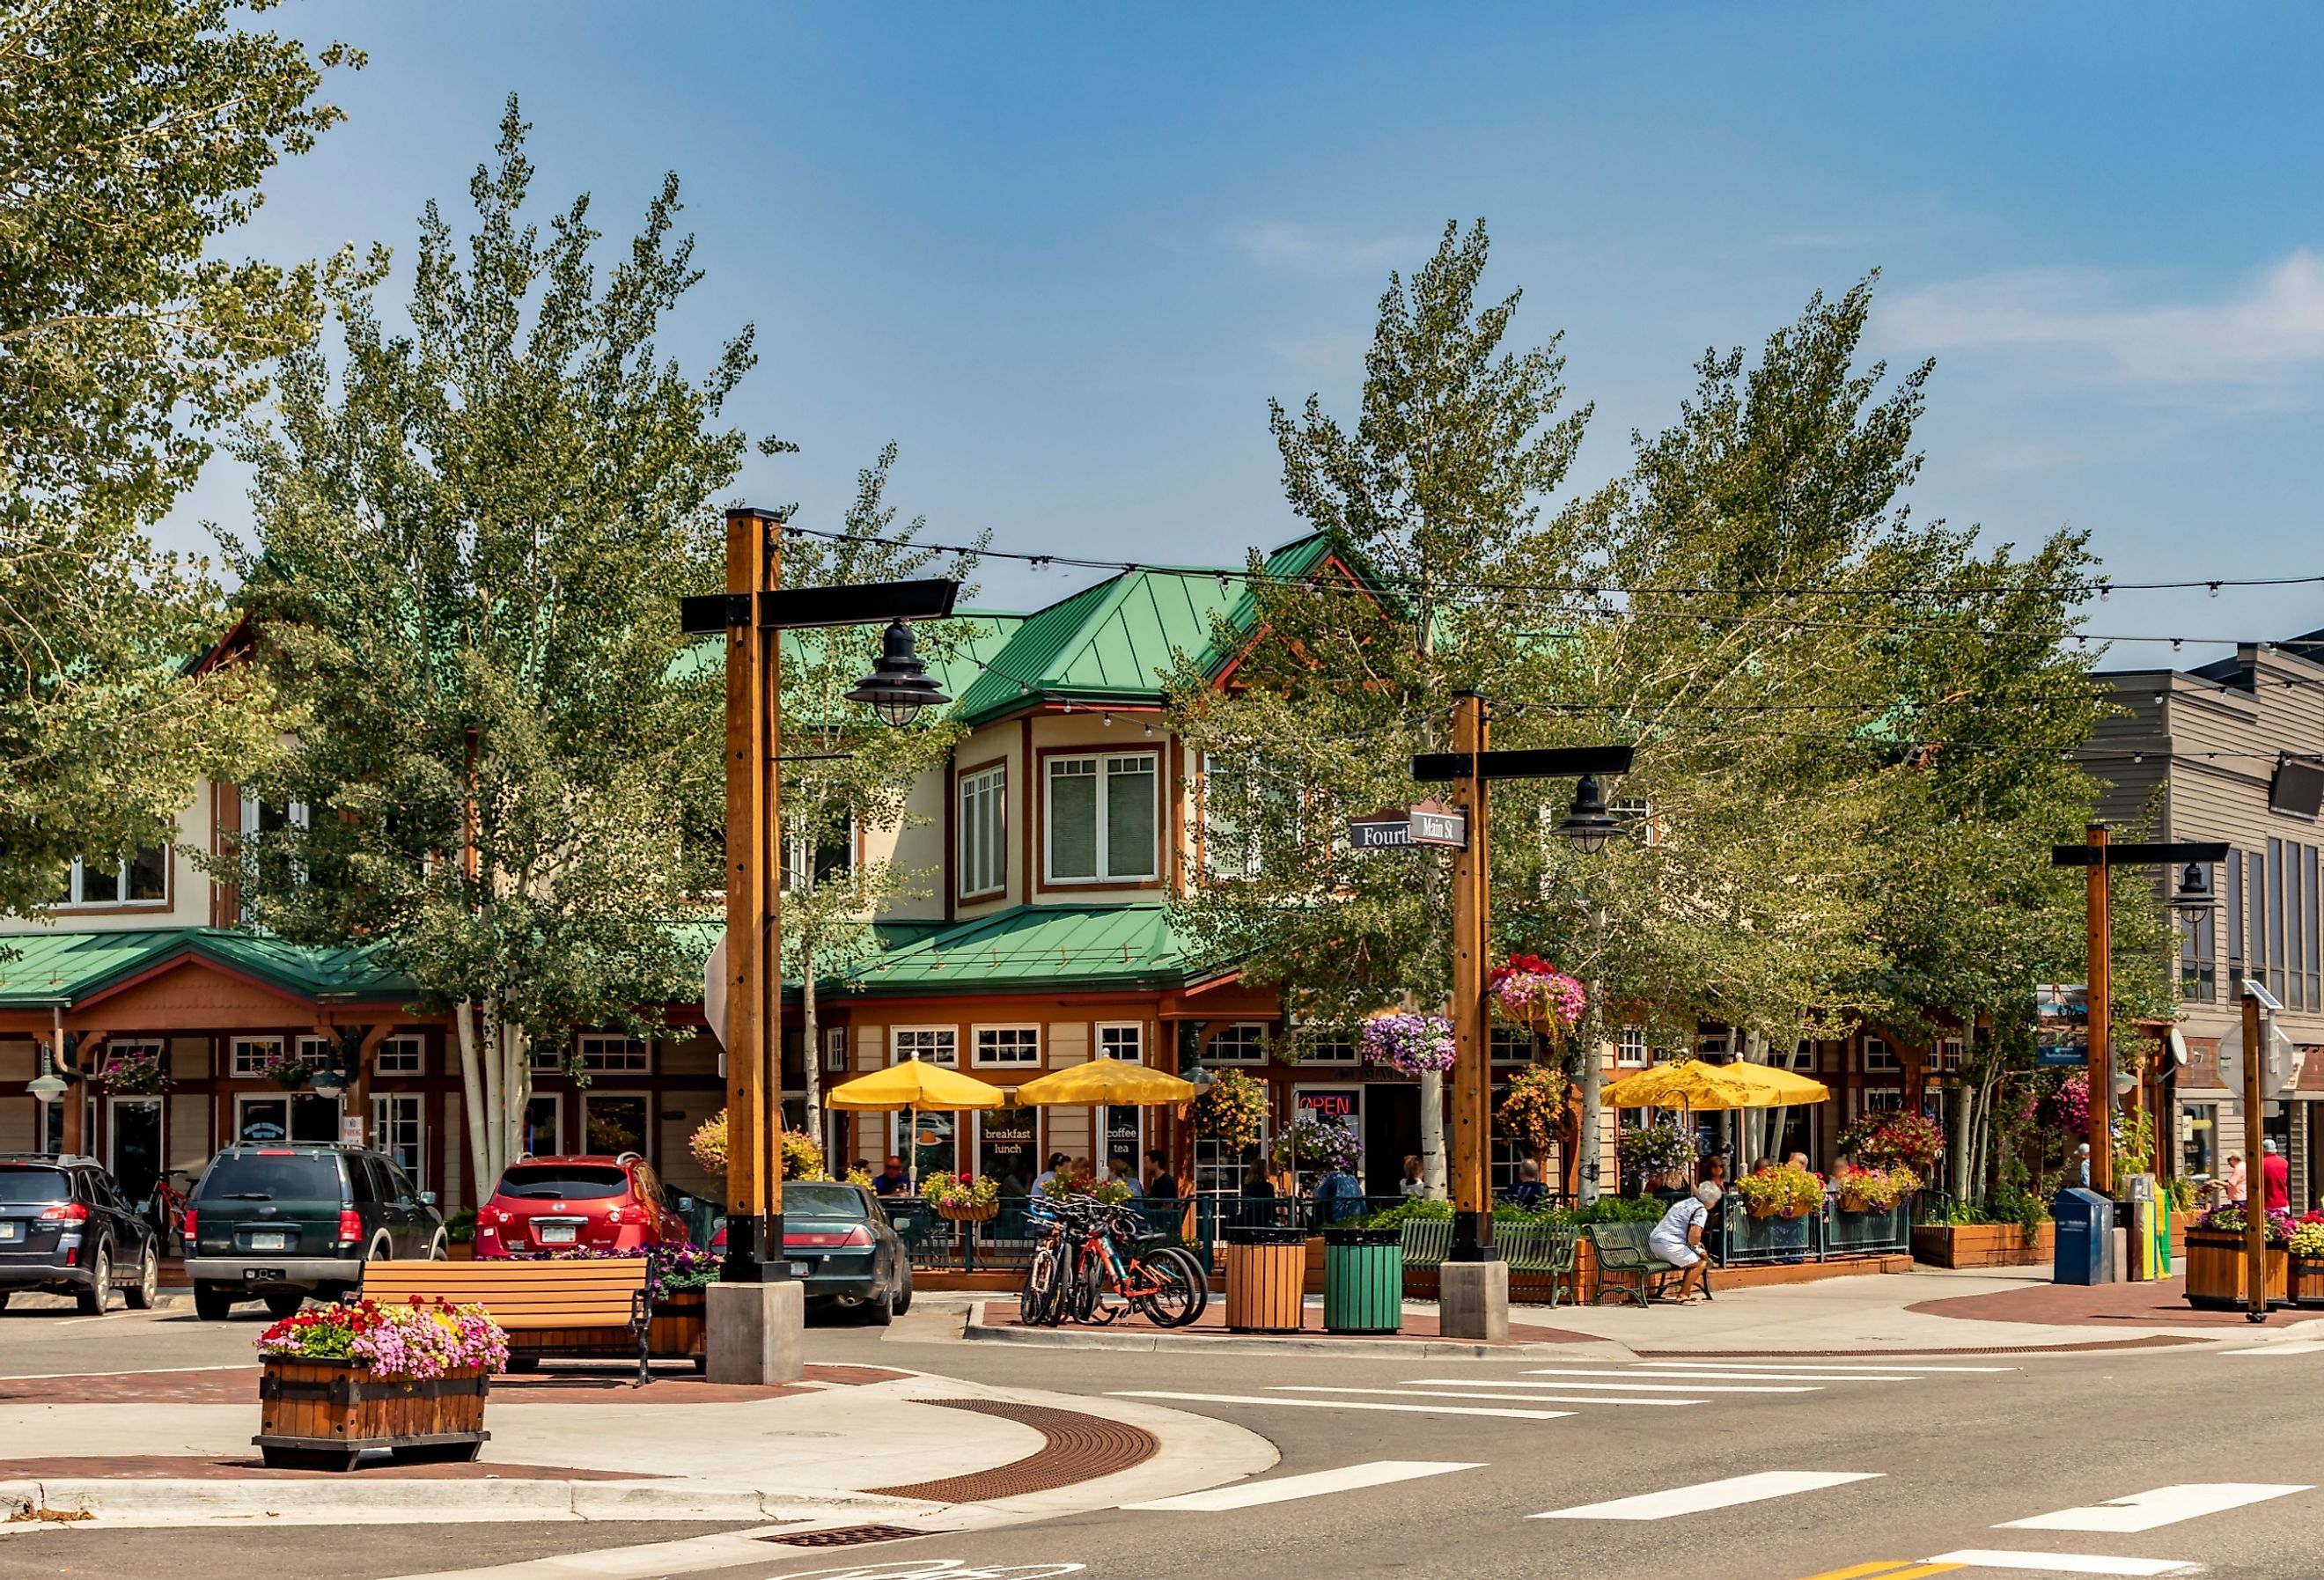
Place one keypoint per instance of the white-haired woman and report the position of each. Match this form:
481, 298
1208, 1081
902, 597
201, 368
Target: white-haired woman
1677, 1239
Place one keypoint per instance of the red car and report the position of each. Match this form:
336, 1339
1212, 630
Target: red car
566, 1204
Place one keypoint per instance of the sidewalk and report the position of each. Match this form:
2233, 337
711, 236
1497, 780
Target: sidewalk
851, 1444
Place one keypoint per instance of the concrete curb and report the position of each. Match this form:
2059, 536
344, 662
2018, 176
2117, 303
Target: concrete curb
115, 1503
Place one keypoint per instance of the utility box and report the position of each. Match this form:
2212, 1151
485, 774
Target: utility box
2134, 1215
2084, 1221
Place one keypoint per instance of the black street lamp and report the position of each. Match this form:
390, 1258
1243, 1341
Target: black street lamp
898, 686
1588, 826
2196, 898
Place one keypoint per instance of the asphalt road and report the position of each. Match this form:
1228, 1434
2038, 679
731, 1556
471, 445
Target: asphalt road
1947, 1457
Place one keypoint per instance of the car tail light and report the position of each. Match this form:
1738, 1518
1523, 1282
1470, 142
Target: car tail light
858, 1235
72, 1212
613, 1216
350, 1226
189, 1231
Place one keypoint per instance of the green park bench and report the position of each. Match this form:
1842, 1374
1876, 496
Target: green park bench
1426, 1242
1625, 1265
1542, 1248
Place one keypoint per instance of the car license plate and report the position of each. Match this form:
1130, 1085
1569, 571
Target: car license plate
555, 1233
800, 1270
270, 1242
11, 1230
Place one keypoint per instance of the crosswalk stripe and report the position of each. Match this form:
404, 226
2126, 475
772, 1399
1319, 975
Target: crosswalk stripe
1377, 1473
2304, 1346
1704, 1496
2162, 1506
1348, 1404
1757, 1376
1920, 1571
1641, 1385
2061, 1562
1885, 1569
1885, 1366
1458, 1393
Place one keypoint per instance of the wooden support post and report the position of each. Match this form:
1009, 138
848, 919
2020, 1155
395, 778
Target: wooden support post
1472, 1205
753, 968
2101, 1067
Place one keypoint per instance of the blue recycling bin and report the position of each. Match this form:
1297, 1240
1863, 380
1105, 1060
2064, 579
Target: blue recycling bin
2084, 1221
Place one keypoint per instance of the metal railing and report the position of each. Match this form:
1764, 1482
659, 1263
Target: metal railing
1820, 1235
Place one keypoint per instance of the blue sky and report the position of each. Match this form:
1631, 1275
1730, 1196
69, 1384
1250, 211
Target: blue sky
1063, 256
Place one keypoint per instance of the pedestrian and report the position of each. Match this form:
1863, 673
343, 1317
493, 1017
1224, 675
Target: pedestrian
1118, 1170
1412, 1184
891, 1180
1256, 1210
1338, 1196
2275, 1179
1081, 1174
2235, 1187
1797, 1160
1527, 1191
1042, 1181
1677, 1239
1158, 1180
1712, 1170
2082, 1165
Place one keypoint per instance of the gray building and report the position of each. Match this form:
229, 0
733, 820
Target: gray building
2234, 751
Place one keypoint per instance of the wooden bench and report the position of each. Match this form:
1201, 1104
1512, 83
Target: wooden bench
580, 1308
1623, 1254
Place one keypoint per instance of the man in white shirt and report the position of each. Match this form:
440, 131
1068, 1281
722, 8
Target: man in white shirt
1677, 1239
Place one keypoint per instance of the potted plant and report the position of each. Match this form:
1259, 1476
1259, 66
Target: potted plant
676, 1276
1788, 1191
1411, 1045
2304, 1274
410, 1378
1873, 1190
2218, 1259
962, 1199
1232, 1109
134, 1071
1897, 1140
1318, 1143
1532, 993
1648, 1151
284, 1067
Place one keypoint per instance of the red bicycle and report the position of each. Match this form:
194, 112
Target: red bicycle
165, 1209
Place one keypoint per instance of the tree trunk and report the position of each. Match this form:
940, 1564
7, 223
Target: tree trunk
495, 1103
1594, 1084
519, 1088
1432, 1132
811, 1052
472, 1099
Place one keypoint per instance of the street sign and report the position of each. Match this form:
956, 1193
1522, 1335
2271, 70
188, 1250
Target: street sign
2061, 1026
1390, 830
1433, 825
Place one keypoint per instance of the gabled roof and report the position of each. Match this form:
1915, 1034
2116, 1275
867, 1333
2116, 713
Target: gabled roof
65, 968
1032, 948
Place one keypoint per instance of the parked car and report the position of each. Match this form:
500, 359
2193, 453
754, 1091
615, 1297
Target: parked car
842, 1247
280, 1222
65, 1228
603, 1204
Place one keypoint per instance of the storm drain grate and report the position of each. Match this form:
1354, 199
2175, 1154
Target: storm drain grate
1078, 1448
844, 1536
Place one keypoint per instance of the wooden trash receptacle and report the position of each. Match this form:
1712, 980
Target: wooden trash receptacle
1267, 1279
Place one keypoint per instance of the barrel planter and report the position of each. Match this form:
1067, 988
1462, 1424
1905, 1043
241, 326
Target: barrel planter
321, 1415
1266, 1279
675, 1330
2216, 1261
1364, 1281
2305, 1282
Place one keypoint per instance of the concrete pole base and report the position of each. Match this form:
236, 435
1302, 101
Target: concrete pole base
1473, 1299
756, 1333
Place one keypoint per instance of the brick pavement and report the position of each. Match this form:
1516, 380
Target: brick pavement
2159, 1304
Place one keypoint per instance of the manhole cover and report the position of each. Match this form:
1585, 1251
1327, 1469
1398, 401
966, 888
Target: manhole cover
1078, 1447
844, 1536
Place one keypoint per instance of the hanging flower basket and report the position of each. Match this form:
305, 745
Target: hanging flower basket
1413, 1045
959, 1199
1646, 1150
1532, 993
802, 1157
135, 1072
1232, 1110
1320, 1142
285, 1067
1534, 1110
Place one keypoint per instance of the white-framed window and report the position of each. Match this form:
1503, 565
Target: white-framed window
598, 1053
1122, 1039
1104, 818
259, 816
929, 1044
1009, 1045
400, 1056
983, 832
250, 1054
1229, 827
134, 1047
1630, 1047
1879, 1055
1244, 1042
833, 858
1949, 1055
140, 878
395, 1130
1330, 1048
1802, 1057
1884, 1099
1511, 1045
834, 1050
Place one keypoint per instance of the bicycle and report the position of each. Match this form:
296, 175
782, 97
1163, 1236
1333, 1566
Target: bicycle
165, 1210
1163, 1283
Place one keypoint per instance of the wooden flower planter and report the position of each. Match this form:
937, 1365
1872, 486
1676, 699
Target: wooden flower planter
674, 1330
2214, 1271
321, 1415
1973, 1245
964, 1213
2305, 1282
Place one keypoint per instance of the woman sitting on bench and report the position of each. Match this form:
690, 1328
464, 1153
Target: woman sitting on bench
1677, 1239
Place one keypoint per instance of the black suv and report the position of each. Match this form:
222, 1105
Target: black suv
280, 1222
66, 1228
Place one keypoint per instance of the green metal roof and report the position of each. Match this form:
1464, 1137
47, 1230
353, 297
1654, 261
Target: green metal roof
1032, 948
46, 969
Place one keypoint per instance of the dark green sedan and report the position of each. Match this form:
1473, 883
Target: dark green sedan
840, 1246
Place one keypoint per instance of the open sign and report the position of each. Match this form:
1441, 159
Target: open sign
1331, 1102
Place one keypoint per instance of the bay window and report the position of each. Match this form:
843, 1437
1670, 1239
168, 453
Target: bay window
1103, 816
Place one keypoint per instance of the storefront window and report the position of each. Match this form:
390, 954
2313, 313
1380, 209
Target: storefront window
1008, 1148
2198, 1130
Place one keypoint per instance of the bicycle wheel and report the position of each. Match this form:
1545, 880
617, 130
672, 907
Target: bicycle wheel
1038, 1306
1180, 1298
1088, 1290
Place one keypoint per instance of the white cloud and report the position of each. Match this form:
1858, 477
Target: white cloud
2077, 324
1279, 243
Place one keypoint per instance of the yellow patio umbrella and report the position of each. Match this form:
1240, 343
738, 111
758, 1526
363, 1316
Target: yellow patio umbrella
1696, 1083
909, 1086
1105, 1082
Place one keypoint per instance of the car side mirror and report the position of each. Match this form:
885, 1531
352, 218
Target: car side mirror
427, 1198
685, 1204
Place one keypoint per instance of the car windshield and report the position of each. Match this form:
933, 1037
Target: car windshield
33, 1185
265, 1178
823, 1201
563, 1182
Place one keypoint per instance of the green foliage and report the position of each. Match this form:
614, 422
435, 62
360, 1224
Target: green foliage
134, 135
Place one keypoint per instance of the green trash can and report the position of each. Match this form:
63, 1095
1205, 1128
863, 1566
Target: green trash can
1364, 1281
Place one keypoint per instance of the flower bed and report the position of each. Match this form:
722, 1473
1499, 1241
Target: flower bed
411, 1379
